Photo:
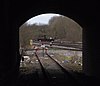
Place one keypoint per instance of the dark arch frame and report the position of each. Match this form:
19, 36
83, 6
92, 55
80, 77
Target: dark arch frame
75, 13
16, 13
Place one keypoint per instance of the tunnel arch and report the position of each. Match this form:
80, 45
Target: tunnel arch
69, 21
75, 17
72, 11
15, 13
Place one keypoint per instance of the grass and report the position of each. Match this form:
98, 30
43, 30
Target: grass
67, 57
70, 63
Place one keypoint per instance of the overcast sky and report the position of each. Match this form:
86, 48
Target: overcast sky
43, 18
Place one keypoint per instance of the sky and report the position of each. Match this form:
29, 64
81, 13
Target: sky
41, 19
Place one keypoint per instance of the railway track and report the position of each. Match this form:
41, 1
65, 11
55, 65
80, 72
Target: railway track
63, 46
53, 72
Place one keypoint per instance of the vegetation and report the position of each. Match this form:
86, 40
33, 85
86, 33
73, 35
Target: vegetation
72, 63
59, 27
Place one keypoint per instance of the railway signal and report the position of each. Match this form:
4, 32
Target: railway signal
31, 42
43, 48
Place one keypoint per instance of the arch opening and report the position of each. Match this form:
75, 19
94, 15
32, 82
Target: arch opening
61, 36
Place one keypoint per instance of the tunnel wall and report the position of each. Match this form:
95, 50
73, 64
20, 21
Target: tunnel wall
15, 13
